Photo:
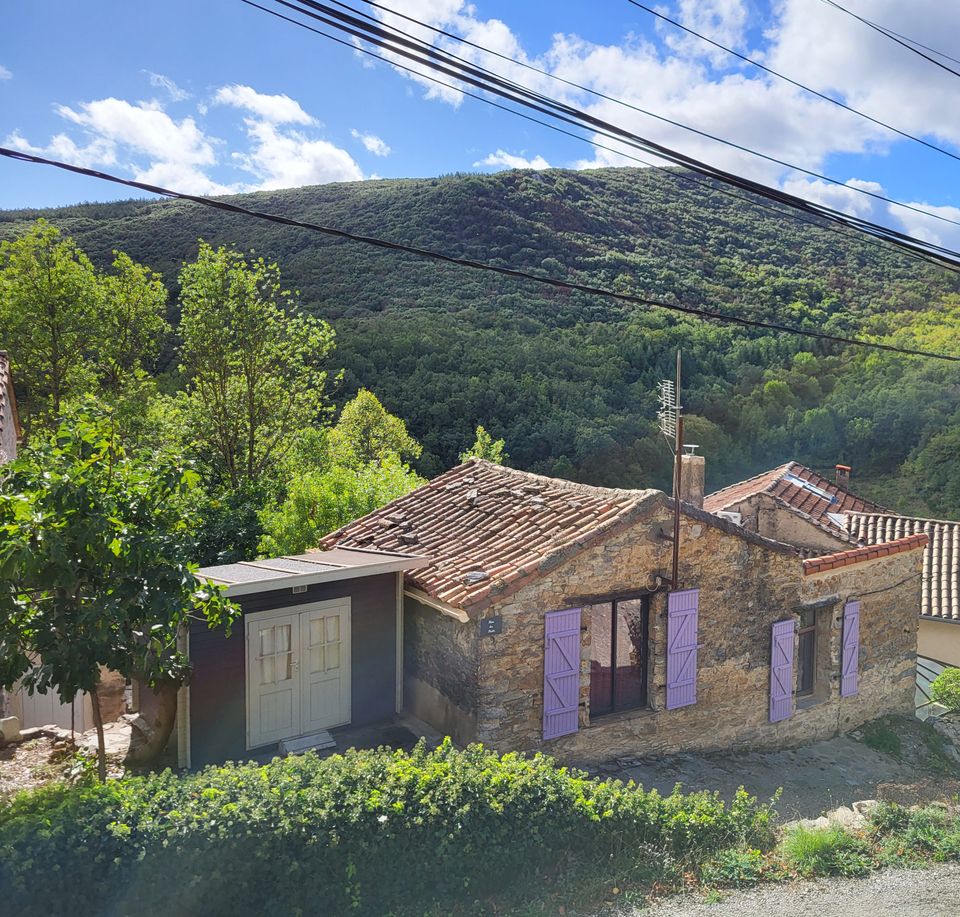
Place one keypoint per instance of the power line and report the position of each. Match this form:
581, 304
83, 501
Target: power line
793, 82
907, 43
821, 221
565, 285
440, 60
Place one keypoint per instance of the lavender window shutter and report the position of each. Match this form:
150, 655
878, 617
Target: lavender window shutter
561, 673
851, 649
682, 614
781, 671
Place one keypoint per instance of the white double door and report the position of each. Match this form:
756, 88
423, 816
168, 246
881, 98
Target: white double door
298, 671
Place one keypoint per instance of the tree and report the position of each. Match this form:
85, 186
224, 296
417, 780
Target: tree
72, 330
486, 447
252, 362
319, 502
367, 432
93, 562
48, 319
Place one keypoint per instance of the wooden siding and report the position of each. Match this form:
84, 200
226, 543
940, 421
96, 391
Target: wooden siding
218, 688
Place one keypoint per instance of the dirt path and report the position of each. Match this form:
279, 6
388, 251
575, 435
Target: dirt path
815, 778
933, 892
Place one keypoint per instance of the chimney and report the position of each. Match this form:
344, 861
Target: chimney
691, 478
843, 475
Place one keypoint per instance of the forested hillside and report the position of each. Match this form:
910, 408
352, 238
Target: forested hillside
569, 380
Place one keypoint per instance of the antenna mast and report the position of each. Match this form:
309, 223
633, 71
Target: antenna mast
670, 416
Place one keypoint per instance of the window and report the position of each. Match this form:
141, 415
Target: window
618, 655
807, 656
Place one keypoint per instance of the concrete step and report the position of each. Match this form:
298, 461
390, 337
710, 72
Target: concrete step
316, 741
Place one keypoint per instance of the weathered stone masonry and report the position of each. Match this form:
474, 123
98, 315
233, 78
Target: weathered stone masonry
745, 586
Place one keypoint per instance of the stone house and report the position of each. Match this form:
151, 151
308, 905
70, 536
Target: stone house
543, 619
795, 505
939, 634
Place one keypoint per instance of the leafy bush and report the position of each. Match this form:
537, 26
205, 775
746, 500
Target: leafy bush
826, 852
735, 867
946, 688
373, 832
927, 832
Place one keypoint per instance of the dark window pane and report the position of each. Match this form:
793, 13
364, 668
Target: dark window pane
808, 644
808, 617
601, 669
631, 689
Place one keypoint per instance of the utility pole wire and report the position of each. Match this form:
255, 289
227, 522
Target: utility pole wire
909, 44
442, 61
565, 285
793, 82
822, 220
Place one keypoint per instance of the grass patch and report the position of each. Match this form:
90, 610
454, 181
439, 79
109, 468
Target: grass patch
909, 837
734, 868
880, 737
826, 852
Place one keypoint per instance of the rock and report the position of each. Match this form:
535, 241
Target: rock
10, 729
32, 732
846, 818
865, 807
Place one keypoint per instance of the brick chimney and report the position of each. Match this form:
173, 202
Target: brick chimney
843, 475
692, 468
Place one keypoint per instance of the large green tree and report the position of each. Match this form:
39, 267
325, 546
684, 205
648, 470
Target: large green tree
253, 362
72, 330
48, 319
94, 569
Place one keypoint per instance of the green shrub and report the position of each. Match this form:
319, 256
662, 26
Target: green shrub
826, 852
946, 688
924, 833
373, 832
735, 868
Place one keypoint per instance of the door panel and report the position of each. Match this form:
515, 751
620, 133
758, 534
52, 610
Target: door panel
273, 689
325, 671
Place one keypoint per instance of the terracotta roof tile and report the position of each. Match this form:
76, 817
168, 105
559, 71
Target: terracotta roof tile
792, 484
940, 592
512, 525
859, 555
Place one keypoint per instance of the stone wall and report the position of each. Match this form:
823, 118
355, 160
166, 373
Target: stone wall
745, 587
440, 670
765, 516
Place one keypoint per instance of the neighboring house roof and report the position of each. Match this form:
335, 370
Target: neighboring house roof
940, 593
800, 489
490, 529
9, 419
859, 555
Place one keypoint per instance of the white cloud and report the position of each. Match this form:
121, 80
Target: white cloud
372, 143
99, 152
159, 81
275, 109
179, 151
5, 74
503, 159
281, 159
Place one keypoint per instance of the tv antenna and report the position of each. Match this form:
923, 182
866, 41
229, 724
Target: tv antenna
670, 417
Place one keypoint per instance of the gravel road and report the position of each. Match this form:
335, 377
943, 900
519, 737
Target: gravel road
933, 892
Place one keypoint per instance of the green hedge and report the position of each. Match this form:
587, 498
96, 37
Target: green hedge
374, 832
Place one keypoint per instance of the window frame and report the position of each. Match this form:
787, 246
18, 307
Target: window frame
614, 603
810, 632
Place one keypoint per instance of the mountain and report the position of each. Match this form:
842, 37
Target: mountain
570, 380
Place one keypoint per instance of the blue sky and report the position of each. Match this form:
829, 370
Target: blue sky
216, 96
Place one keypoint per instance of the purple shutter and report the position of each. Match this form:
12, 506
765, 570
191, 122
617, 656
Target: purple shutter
561, 673
781, 671
682, 648
851, 649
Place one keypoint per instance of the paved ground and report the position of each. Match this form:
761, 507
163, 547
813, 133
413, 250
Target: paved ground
814, 778
933, 892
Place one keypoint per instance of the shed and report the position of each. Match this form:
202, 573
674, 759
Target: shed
318, 647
